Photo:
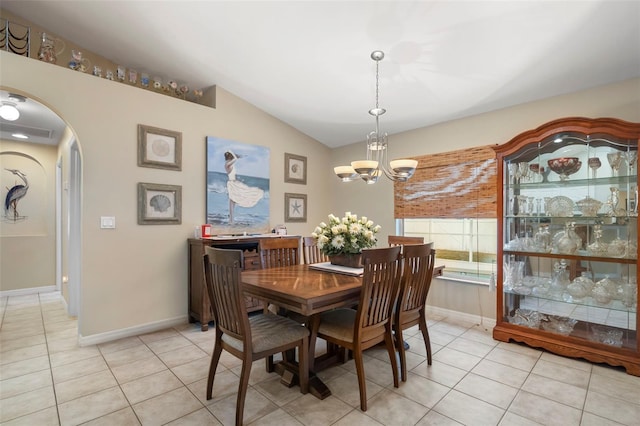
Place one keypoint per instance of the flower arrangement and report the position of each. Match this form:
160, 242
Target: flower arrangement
347, 235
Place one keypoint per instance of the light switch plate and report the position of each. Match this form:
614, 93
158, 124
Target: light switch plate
107, 222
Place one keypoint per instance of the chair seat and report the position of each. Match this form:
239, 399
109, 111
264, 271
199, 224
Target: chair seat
268, 332
338, 324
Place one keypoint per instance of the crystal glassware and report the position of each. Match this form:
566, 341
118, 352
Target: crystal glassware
594, 165
565, 166
614, 158
631, 157
523, 171
589, 206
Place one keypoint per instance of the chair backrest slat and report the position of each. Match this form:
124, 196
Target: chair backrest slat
311, 252
275, 252
380, 286
222, 276
417, 273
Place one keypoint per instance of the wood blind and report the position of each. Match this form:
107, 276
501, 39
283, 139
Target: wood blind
455, 184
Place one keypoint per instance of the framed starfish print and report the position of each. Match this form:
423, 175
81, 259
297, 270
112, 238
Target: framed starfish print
295, 207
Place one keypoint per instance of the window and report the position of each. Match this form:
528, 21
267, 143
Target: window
466, 247
451, 201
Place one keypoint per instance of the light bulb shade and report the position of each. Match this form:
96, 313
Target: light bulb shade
9, 112
345, 173
372, 178
364, 167
404, 167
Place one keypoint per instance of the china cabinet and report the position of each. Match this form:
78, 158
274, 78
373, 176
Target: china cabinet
568, 240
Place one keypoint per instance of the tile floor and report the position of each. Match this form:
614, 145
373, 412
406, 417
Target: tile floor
160, 378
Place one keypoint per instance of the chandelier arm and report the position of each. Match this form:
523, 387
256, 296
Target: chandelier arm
376, 162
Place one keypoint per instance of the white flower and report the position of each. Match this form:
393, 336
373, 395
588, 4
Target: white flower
346, 235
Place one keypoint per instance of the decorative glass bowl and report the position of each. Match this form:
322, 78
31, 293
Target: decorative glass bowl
558, 324
525, 317
589, 206
607, 335
565, 166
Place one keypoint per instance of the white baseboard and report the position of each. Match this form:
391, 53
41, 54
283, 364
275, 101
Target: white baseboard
28, 291
488, 323
109, 336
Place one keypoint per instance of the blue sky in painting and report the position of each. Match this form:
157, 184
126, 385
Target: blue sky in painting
254, 159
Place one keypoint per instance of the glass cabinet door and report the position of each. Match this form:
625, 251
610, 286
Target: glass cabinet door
569, 238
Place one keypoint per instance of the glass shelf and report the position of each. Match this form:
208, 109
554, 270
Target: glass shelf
556, 235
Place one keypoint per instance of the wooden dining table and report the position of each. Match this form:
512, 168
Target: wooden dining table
307, 291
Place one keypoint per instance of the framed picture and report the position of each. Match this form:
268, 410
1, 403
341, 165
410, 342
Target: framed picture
295, 168
159, 204
295, 207
159, 148
237, 186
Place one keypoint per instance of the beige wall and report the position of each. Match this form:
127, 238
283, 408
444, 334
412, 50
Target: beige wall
620, 100
27, 248
136, 275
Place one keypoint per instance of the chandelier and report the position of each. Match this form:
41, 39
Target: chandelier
376, 163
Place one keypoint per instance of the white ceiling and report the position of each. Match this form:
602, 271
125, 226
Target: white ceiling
307, 62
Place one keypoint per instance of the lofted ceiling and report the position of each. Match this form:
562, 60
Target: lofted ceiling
307, 62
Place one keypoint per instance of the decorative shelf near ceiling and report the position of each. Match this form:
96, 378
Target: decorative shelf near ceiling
16, 38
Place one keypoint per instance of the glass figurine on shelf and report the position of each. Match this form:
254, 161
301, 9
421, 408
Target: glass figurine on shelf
78, 62
50, 48
542, 239
613, 203
567, 241
597, 248
559, 278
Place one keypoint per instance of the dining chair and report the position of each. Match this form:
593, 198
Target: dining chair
311, 253
248, 338
275, 252
401, 240
417, 272
361, 329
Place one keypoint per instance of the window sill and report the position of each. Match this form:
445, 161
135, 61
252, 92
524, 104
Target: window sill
464, 280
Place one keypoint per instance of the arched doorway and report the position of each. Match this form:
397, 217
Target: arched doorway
39, 131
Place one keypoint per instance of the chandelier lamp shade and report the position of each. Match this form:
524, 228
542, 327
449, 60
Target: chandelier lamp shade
376, 164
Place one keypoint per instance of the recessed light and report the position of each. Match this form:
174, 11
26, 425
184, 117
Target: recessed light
9, 112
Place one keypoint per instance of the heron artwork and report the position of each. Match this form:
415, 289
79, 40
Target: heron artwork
15, 194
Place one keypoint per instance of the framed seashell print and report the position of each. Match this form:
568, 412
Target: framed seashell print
295, 168
159, 204
159, 148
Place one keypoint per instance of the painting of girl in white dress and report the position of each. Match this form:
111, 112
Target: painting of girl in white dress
237, 187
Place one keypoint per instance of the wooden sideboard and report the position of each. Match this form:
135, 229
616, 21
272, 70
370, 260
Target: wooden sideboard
199, 306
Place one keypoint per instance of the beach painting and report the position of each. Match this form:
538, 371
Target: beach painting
237, 187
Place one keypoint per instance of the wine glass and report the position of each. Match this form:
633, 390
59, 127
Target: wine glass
631, 157
594, 165
523, 170
614, 158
